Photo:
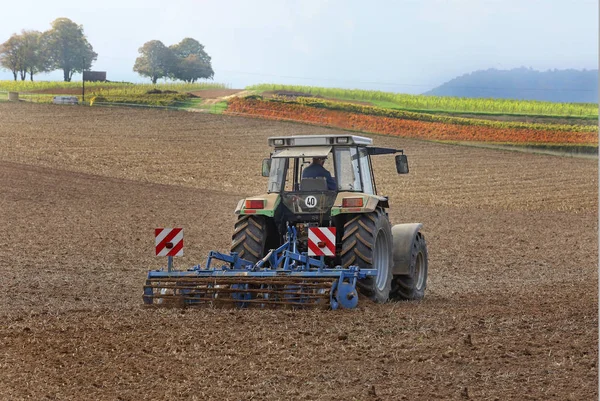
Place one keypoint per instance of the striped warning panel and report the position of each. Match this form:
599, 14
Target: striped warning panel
321, 241
169, 241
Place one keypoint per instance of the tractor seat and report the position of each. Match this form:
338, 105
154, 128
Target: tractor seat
313, 184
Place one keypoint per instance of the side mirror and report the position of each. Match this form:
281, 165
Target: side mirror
266, 167
402, 164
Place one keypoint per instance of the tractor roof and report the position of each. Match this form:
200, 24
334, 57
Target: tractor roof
318, 140
302, 151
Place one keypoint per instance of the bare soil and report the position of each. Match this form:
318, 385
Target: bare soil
511, 310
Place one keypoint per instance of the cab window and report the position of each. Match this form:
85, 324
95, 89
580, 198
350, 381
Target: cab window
276, 174
365, 170
290, 181
346, 163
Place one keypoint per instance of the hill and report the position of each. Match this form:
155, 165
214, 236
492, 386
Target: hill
567, 86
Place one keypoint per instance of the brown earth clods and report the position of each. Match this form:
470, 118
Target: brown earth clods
510, 311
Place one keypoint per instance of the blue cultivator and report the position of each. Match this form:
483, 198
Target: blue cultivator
283, 277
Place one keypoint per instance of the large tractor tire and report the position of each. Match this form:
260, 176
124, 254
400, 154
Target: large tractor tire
367, 243
249, 237
412, 286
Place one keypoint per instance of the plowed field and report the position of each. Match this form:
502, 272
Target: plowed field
510, 311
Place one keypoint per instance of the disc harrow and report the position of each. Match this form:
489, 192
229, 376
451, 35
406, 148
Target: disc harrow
283, 278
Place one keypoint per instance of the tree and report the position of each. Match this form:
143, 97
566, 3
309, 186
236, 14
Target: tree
193, 62
155, 61
11, 54
68, 48
189, 46
186, 61
192, 68
35, 54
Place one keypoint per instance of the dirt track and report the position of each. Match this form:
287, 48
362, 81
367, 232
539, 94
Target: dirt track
510, 312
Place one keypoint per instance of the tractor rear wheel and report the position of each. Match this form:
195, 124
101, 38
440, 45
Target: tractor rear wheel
249, 237
412, 286
367, 243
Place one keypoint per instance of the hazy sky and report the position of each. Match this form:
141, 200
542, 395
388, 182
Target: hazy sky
405, 46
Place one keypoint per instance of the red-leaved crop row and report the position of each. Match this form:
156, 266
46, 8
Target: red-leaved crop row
407, 128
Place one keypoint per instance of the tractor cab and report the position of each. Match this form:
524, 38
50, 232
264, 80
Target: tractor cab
310, 173
349, 166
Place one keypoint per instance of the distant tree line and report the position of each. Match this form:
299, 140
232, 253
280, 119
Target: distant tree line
63, 47
186, 61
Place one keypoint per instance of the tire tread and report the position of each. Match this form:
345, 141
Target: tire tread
358, 245
403, 286
249, 237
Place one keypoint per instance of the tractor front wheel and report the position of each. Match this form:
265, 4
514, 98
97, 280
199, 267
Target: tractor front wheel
367, 243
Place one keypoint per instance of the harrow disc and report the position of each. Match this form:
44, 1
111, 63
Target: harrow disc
346, 296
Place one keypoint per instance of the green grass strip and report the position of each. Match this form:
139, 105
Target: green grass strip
125, 87
446, 103
390, 105
409, 115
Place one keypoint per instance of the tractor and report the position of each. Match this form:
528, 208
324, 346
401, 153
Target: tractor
310, 239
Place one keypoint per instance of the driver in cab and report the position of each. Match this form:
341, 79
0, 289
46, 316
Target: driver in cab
316, 170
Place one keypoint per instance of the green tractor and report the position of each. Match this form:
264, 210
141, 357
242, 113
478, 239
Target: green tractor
346, 200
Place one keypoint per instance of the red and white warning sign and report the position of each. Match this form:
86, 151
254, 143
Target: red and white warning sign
169, 241
321, 241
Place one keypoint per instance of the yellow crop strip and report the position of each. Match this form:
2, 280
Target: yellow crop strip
443, 103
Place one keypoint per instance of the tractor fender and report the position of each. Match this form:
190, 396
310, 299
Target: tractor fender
404, 236
370, 203
271, 201
239, 206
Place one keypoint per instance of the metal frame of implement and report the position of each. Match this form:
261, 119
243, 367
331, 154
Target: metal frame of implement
282, 277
